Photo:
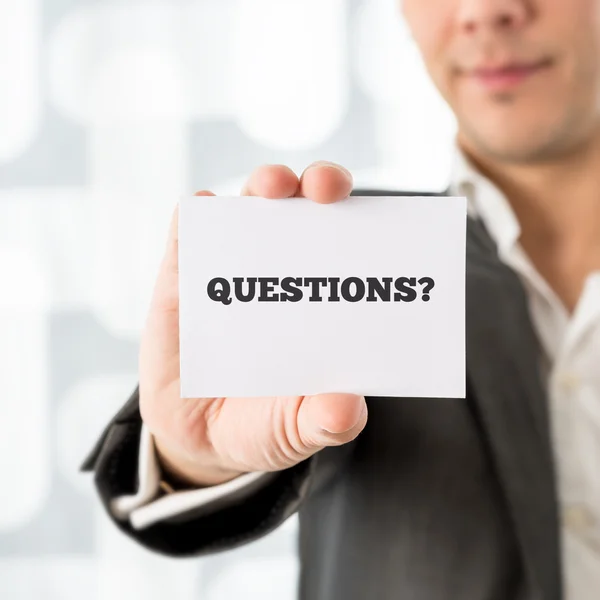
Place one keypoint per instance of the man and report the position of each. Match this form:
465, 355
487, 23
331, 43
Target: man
496, 496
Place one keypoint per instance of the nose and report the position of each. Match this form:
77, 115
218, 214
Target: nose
475, 16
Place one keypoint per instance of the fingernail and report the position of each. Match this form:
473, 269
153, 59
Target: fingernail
330, 165
358, 420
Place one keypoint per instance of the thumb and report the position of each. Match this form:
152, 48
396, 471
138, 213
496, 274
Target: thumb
331, 419
166, 289
160, 339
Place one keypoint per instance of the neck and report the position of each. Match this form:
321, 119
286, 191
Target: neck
557, 203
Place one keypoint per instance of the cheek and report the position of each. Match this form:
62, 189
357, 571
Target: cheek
573, 26
573, 29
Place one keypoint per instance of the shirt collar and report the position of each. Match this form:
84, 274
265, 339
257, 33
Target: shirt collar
486, 202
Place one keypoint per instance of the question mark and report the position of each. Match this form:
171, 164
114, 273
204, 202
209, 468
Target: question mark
429, 283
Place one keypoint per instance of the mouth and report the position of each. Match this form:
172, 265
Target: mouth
506, 76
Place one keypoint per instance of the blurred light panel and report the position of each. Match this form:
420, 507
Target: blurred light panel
118, 68
290, 73
385, 56
205, 44
414, 126
117, 42
138, 167
74, 48
188, 33
138, 83
20, 98
53, 225
24, 452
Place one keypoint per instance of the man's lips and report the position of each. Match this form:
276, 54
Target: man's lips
507, 75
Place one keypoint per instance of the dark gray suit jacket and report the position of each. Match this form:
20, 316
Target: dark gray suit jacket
436, 499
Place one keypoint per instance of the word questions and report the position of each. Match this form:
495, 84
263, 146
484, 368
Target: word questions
319, 289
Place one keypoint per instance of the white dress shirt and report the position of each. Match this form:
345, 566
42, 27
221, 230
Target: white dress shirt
571, 343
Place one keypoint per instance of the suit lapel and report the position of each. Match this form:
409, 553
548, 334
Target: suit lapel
509, 400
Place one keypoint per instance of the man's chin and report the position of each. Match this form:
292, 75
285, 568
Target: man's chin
512, 144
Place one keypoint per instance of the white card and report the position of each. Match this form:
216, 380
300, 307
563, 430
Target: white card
371, 333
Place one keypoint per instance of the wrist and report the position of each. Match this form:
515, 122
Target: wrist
181, 472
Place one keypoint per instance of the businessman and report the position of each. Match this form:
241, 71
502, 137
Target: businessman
496, 496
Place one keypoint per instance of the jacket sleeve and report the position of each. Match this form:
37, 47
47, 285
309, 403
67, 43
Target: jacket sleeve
211, 528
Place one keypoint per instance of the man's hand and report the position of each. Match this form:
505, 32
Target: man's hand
206, 441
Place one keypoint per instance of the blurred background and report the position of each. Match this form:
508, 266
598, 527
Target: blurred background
110, 111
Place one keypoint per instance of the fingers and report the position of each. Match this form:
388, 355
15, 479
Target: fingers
331, 419
271, 181
323, 182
